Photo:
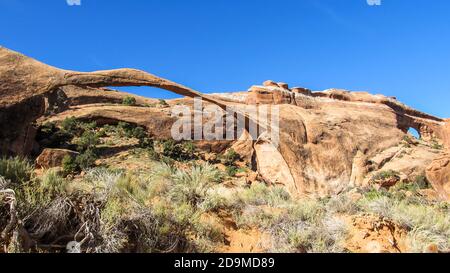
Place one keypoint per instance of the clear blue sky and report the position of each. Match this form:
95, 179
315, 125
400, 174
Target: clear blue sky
400, 48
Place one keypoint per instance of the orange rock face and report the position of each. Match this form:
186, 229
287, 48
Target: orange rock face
438, 173
328, 140
51, 158
26, 84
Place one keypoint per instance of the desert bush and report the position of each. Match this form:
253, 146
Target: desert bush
427, 222
52, 219
297, 226
384, 175
52, 184
152, 226
48, 128
259, 194
103, 178
70, 125
88, 141
417, 183
114, 211
69, 165
86, 159
407, 139
4, 183
16, 169
372, 193
163, 103
50, 136
231, 170
191, 187
435, 145
171, 149
124, 129
303, 225
213, 202
342, 203
129, 101
87, 126
229, 158
177, 151
189, 149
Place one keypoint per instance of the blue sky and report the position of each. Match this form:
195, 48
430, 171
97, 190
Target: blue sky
400, 48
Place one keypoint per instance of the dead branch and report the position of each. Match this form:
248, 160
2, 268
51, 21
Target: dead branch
10, 200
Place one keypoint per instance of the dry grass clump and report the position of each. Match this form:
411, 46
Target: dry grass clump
302, 225
427, 222
109, 211
162, 210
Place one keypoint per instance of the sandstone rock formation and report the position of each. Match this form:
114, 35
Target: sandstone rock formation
332, 139
438, 173
50, 158
329, 140
26, 83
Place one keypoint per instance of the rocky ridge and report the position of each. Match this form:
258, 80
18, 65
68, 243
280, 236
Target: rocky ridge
329, 140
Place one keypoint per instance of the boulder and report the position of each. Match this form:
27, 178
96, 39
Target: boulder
271, 165
264, 95
270, 83
50, 158
244, 147
283, 85
301, 90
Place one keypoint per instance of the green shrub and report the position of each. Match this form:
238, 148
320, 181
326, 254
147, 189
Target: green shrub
129, 221
16, 169
70, 125
302, 226
125, 129
52, 183
163, 103
69, 165
231, 170
88, 141
213, 202
372, 193
435, 145
260, 194
191, 187
129, 101
86, 159
230, 157
138, 132
177, 151
342, 203
48, 128
171, 149
189, 149
420, 182
384, 175
87, 126
426, 222
407, 139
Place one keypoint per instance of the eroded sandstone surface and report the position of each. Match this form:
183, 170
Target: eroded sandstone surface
329, 140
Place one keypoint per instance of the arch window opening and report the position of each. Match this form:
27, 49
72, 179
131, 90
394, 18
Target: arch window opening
414, 133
